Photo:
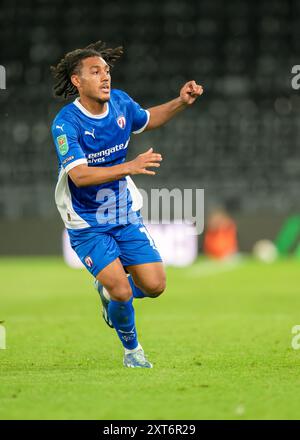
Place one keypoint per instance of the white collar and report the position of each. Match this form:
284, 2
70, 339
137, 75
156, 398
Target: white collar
87, 113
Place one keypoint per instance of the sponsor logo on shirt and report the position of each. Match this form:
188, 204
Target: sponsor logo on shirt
68, 159
101, 155
60, 127
90, 133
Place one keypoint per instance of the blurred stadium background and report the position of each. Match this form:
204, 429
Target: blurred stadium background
224, 351
239, 143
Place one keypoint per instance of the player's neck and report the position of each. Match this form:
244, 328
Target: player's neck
92, 106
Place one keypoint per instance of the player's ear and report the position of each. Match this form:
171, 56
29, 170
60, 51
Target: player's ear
75, 80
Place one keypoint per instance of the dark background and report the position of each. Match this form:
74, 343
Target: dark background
239, 141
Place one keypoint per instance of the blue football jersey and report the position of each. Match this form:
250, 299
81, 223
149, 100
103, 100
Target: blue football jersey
98, 141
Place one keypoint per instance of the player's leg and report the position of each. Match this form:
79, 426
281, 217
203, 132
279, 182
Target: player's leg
121, 312
120, 309
99, 253
141, 258
115, 277
147, 279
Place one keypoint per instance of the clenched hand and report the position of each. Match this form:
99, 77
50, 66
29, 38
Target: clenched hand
190, 92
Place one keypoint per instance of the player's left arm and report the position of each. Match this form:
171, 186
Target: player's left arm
161, 114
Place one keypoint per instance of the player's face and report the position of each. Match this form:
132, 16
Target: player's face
94, 79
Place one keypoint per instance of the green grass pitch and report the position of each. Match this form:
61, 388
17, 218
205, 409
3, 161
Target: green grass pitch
219, 339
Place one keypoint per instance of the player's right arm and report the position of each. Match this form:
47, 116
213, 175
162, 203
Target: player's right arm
83, 175
74, 161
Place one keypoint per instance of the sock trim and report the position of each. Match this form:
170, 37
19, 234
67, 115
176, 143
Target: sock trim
127, 351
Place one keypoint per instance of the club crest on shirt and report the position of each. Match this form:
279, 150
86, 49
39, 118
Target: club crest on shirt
121, 121
88, 261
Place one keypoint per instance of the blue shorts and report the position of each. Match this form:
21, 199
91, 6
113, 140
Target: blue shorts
131, 243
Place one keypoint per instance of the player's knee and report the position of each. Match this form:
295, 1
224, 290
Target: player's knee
121, 292
157, 287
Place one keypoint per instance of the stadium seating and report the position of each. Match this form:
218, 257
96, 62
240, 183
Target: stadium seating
239, 142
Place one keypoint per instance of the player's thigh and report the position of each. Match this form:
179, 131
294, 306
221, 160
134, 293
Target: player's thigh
149, 277
114, 279
136, 245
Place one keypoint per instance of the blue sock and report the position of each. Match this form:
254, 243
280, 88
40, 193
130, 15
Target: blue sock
136, 292
122, 317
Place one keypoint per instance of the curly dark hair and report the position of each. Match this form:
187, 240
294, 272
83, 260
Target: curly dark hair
71, 63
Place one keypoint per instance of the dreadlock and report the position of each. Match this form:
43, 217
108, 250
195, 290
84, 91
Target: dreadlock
71, 64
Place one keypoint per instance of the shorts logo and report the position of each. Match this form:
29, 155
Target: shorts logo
121, 121
88, 261
63, 145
